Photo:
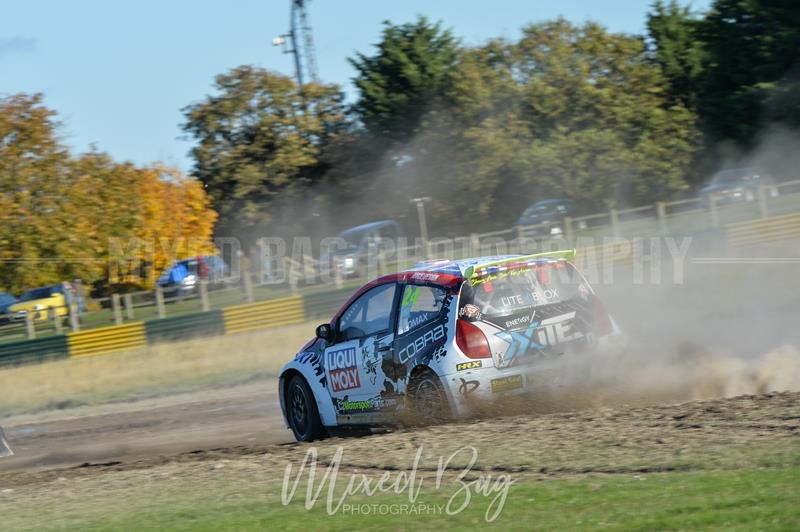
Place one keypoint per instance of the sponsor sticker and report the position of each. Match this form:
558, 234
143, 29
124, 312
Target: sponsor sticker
421, 342
504, 384
538, 335
469, 365
425, 276
366, 405
518, 321
470, 311
467, 387
343, 369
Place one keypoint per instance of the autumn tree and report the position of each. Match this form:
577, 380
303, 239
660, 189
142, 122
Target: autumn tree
61, 215
175, 215
34, 180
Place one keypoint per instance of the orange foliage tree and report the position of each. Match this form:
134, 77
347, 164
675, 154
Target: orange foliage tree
89, 217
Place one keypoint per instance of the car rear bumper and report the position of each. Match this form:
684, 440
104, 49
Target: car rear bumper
487, 389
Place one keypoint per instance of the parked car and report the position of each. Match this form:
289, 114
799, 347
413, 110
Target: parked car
737, 185
43, 302
185, 274
6, 300
442, 341
546, 217
360, 245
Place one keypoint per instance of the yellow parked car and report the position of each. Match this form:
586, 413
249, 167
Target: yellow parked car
43, 302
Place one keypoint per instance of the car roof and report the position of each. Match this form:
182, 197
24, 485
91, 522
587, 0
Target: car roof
450, 273
553, 201
738, 172
368, 227
458, 269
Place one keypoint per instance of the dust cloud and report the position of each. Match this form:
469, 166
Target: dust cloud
726, 329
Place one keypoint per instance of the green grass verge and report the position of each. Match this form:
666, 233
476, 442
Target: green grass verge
752, 499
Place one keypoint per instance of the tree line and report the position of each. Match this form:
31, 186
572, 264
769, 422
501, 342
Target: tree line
65, 216
564, 110
608, 119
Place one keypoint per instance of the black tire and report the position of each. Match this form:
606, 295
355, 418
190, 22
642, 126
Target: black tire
301, 411
428, 400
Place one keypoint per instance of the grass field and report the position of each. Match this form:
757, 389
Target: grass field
227, 499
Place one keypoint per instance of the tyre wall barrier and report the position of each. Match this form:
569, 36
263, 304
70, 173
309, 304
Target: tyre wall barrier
185, 327
323, 305
107, 339
772, 229
40, 349
263, 314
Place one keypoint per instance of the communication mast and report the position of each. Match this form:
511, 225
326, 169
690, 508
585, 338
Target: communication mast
300, 44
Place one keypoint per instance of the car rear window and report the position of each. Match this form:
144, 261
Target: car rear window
514, 290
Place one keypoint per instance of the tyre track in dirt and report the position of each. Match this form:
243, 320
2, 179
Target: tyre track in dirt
746, 431
154, 430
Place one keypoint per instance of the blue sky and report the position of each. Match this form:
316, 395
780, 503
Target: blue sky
118, 73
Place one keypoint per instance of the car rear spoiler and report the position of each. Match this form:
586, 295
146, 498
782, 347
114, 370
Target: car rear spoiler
479, 270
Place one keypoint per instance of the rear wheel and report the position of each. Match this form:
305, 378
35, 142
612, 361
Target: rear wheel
301, 411
428, 399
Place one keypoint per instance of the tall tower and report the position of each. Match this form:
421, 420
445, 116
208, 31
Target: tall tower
300, 44
301, 26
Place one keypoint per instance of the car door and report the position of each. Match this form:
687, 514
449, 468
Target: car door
421, 332
353, 365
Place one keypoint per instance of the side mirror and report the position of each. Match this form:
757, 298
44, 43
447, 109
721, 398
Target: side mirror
325, 332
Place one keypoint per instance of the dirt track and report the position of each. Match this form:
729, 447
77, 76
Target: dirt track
727, 433
154, 429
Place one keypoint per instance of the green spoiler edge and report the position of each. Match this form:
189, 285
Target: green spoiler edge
564, 254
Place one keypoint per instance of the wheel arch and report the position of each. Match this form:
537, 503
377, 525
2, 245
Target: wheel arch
421, 369
327, 414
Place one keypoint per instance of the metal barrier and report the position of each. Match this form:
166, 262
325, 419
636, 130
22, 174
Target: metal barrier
253, 316
107, 339
765, 230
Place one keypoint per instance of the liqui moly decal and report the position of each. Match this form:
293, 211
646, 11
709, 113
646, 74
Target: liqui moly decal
343, 369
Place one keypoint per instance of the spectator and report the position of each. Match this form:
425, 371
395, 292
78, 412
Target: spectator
78, 292
66, 287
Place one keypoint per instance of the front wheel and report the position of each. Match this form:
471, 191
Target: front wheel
428, 399
301, 411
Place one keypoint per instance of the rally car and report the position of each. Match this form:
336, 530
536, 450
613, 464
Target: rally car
438, 341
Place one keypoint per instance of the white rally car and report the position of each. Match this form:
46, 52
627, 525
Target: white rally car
440, 340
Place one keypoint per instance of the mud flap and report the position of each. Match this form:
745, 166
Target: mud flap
5, 450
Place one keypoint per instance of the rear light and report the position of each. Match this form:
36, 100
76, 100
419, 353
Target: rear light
601, 321
471, 340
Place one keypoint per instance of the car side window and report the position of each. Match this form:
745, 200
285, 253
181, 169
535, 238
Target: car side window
369, 314
418, 306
